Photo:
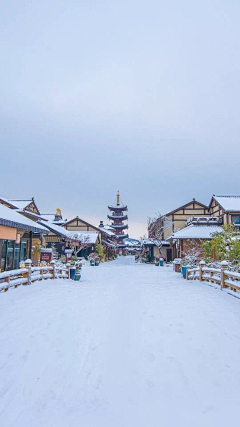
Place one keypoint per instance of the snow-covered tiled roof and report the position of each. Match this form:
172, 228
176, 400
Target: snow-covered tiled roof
131, 242
152, 241
11, 218
229, 203
84, 236
7, 201
114, 207
108, 227
30, 213
108, 232
20, 204
80, 236
196, 232
48, 217
56, 228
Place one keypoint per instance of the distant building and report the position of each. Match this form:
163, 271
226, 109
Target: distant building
118, 216
222, 209
170, 222
227, 208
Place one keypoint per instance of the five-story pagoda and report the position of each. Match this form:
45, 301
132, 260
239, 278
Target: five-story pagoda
118, 216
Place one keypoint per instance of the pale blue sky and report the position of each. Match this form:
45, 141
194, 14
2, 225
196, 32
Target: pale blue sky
138, 96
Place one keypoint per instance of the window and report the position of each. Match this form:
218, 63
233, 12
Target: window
3, 257
235, 219
23, 252
16, 258
10, 247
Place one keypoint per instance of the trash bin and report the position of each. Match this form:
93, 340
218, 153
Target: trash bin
161, 262
77, 276
184, 271
72, 272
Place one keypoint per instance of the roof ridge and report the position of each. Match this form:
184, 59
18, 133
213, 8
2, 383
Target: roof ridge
224, 195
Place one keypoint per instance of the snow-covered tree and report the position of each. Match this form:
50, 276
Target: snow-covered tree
82, 240
156, 228
193, 252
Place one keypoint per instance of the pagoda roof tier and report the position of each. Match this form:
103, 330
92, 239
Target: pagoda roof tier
120, 226
123, 217
118, 208
121, 236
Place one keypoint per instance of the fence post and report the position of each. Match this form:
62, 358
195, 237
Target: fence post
28, 265
7, 280
68, 265
52, 263
201, 265
224, 266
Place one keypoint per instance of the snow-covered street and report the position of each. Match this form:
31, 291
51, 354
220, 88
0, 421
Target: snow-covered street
130, 345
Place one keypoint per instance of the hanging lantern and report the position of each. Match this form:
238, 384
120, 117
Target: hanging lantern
18, 238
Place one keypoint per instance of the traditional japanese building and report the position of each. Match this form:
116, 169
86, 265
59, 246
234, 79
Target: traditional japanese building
118, 216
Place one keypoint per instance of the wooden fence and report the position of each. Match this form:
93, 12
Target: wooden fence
30, 274
220, 276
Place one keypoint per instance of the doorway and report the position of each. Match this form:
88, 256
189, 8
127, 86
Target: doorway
169, 255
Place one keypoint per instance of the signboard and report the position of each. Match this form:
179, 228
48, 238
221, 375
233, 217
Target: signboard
46, 255
68, 254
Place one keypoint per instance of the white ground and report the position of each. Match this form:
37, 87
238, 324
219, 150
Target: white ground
129, 346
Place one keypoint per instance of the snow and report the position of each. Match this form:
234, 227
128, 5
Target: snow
152, 241
114, 207
88, 237
51, 218
106, 230
82, 236
229, 203
7, 214
20, 204
33, 214
196, 232
129, 345
55, 228
108, 227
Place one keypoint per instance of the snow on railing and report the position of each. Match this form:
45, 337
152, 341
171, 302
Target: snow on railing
204, 220
30, 274
220, 276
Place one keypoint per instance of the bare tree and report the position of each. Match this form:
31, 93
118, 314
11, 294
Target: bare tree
83, 240
156, 228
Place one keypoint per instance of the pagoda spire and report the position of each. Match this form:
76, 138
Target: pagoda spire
118, 198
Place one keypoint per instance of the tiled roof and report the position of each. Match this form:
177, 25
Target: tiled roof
229, 203
11, 218
196, 232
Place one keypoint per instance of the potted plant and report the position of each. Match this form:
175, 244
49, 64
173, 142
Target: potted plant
156, 260
97, 259
92, 257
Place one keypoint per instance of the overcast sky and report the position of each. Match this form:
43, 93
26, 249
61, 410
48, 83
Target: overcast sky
137, 96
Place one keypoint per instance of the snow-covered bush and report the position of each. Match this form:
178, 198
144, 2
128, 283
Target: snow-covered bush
224, 245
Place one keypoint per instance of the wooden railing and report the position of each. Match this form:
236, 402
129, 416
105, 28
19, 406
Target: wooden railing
220, 276
30, 274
